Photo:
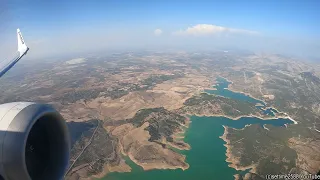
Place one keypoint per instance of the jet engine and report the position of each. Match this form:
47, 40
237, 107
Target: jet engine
34, 142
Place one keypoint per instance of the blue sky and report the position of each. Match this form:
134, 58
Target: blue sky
86, 25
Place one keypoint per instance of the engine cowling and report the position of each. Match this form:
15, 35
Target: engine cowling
34, 142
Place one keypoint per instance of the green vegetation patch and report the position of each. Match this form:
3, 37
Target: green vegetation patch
214, 104
162, 123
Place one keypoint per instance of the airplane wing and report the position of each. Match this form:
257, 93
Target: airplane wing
34, 138
22, 50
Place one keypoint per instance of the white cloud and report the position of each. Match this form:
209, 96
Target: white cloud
157, 32
207, 29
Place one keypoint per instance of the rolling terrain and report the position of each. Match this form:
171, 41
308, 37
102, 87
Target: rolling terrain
135, 104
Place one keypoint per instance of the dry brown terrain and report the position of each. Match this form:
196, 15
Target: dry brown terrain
170, 94
141, 100
308, 152
149, 155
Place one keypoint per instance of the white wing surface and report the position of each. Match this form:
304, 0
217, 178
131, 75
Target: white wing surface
6, 65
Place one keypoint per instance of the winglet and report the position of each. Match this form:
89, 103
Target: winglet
22, 50
22, 47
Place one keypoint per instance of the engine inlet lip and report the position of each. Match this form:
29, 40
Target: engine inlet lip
17, 135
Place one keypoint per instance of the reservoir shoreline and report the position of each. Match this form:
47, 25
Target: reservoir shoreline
207, 136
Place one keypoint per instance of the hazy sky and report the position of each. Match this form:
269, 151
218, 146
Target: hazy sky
54, 27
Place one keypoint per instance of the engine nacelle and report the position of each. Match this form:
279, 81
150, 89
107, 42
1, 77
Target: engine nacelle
34, 142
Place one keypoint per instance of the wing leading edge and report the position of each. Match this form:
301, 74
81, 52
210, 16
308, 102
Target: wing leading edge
22, 50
